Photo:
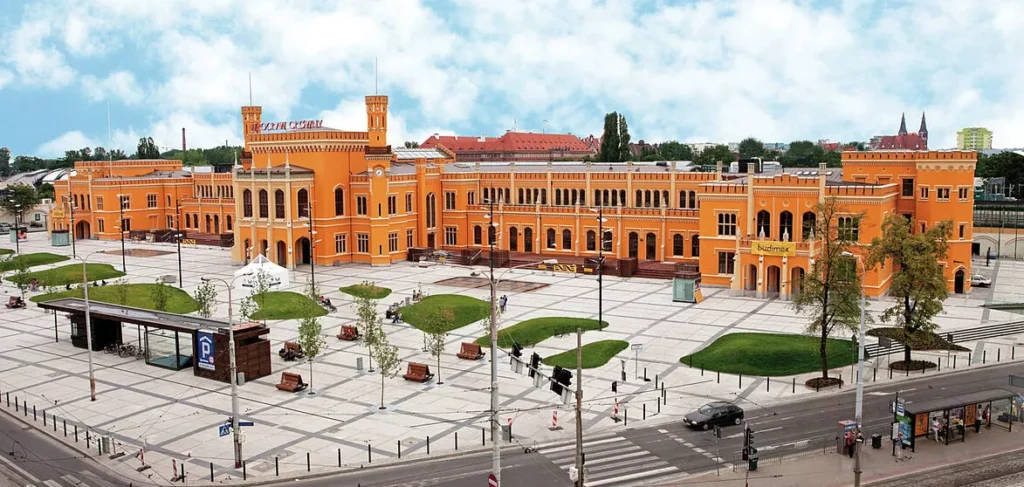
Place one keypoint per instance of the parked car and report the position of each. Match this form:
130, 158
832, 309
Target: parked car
5, 227
715, 413
979, 280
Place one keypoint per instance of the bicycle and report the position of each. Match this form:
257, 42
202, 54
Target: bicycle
127, 351
112, 348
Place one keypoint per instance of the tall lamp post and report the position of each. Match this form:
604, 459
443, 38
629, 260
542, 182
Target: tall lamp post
88, 321
178, 235
312, 244
859, 407
233, 378
121, 199
17, 228
71, 226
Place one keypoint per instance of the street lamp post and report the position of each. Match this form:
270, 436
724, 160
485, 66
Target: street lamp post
88, 322
312, 245
17, 228
71, 227
233, 379
495, 447
120, 229
859, 407
177, 237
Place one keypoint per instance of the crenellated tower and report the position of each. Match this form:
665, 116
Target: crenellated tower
377, 120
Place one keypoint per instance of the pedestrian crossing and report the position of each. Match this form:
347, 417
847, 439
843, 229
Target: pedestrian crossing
611, 462
70, 480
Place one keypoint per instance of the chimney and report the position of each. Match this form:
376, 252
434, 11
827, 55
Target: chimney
718, 170
183, 149
821, 182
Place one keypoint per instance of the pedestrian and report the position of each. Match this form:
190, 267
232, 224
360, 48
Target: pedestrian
850, 441
898, 446
988, 417
936, 427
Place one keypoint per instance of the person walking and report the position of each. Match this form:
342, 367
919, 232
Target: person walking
936, 428
898, 446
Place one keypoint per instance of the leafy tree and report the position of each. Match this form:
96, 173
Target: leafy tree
716, 153
45, 190
751, 147
918, 283
411, 144
117, 155
5, 162
830, 292
19, 274
206, 298
121, 291
675, 151
803, 153
311, 337
624, 153
19, 196
387, 361
260, 285
647, 153
160, 294
246, 308
441, 320
146, 149
610, 139
1004, 164
371, 323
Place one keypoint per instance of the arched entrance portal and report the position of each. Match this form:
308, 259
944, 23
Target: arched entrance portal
796, 281
263, 247
750, 283
302, 245
652, 246
774, 275
82, 230
513, 239
282, 253
528, 239
634, 243
958, 281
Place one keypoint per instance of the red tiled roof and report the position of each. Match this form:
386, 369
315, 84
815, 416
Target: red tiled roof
904, 142
510, 142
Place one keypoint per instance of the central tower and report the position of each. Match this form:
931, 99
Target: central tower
377, 120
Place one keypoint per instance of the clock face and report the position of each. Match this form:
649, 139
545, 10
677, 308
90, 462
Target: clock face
379, 171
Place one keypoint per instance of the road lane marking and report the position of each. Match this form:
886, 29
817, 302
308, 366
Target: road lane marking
623, 478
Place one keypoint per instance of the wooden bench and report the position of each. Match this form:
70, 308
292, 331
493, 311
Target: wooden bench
291, 348
291, 382
470, 351
348, 333
418, 372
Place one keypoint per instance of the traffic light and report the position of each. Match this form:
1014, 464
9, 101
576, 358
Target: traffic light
751, 450
556, 386
534, 363
565, 378
517, 350
746, 443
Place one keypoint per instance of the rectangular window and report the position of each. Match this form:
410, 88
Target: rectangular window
170, 221
924, 193
150, 201
451, 236
393, 242
99, 202
409, 238
963, 194
942, 194
126, 201
727, 224
449, 200
726, 262
392, 205
361, 205
126, 225
363, 242
408, 203
963, 230
340, 243
99, 224
168, 201
908, 187
678, 245
849, 228
471, 197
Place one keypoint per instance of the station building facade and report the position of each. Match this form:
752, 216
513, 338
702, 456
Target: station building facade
335, 196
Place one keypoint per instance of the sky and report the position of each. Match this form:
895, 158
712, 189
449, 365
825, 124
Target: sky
694, 71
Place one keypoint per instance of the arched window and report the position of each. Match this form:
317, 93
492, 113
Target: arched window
558, 197
551, 238
695, 246
693, 199
522, 199
764, 224
264, 205
303, 203
591, 240
544, 196
339, 201
810, 221
639, 199
477, 235
664, 198
682, 199
786, 226
247, 204
492, 235
657, 199
431, 211
227, 222
647, 198
279, 204
566, 239
188, 220
677, 245
607, 241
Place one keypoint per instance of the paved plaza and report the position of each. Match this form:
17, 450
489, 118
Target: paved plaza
176, 415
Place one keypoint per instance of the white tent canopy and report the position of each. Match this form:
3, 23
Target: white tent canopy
278, 275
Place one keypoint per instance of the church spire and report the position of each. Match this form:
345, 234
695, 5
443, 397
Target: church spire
923, 132
903, 125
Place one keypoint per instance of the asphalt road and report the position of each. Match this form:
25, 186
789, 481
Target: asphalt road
1006, 470
638, 455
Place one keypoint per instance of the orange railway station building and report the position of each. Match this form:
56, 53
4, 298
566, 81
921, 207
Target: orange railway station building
304, 192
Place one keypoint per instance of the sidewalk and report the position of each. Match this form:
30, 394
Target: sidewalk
835, 470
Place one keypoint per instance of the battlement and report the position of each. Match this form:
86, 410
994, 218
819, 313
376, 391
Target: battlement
949, 155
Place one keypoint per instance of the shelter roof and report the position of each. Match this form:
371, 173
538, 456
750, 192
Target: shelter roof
959, 400
135, 316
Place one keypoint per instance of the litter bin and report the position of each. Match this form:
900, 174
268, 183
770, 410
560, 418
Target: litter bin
876, 441
752, 464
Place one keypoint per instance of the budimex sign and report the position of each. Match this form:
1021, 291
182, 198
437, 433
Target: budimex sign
762, 247
293, 125
573, 268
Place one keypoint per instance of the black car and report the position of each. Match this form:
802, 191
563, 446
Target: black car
715, 413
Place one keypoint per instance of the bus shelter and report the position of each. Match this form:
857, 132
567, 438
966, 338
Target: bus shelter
170, 340
952, 418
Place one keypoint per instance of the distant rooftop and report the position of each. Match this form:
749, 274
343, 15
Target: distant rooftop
406, 153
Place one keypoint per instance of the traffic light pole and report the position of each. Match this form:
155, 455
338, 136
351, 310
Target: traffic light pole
579, 412
495, 435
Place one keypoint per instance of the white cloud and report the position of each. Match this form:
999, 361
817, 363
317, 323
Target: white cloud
37, 62
5, 77
67, 141
351, 115
120, 86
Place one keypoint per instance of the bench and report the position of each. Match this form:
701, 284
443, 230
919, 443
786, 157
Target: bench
348, 333
291, 382
418, 372
291, 351
470, 351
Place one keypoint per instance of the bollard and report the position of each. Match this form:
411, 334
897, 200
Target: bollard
817, 386
984, 356
99, 447
34, 417
369, 454
840, 381
890, 372
940, 365
8, 399
25, 409
969, 361
741, 381
456, 441
659, 406
644, 406
702, 369
645, 374
428, 445
954, 361
244, 474
719, 379
87, 440
339, 457
44, 418
874, 376
17, 405
625, 417
399, 449
211, 471
483, 437
655, 381
768, 384
794, 385
907, 366
307, 462
76, 433
182, 472
65, 428
277, 470
999, 352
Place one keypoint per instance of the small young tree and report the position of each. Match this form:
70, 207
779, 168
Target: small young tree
437, 325
371, 323
311, 338
160, 294
19, 275
261, 283
246, 308
830, 291
206, 298
918, 282
388, 361
121, 291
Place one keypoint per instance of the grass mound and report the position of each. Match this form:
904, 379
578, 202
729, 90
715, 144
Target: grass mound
769, 354
284, 305
594, 354
466, 309
532, 332
70, 274
31, 260
371, 291
139, 296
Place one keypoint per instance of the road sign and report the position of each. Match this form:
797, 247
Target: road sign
246, 423
636, 346
223, 430
492, 481
205, 348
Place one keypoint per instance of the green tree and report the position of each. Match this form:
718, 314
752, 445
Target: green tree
311, 337
624, 153
918, 283
5, 162
19, 196
160, 294
675, 151
387, 361
117, 155
260, 284
751, 147
714, 154
439, 321
147, 149
830, 292
411, 144
371, 323
610, 139
647, 153
1009, 165
803, 153
45, 190
206, 298
121, 291
246, 308
19, 274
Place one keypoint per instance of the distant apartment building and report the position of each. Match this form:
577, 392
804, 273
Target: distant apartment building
974, 138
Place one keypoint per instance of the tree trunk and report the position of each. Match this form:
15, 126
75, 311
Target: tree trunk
439, 381
311, 375
824, 353
906, 353
382, 389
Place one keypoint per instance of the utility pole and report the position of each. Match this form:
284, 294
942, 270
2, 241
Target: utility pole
495, 434
579, 412
857, 444
71, 221
233, 379
121, 198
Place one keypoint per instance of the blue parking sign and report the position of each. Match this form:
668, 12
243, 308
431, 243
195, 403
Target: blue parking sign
204, 347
